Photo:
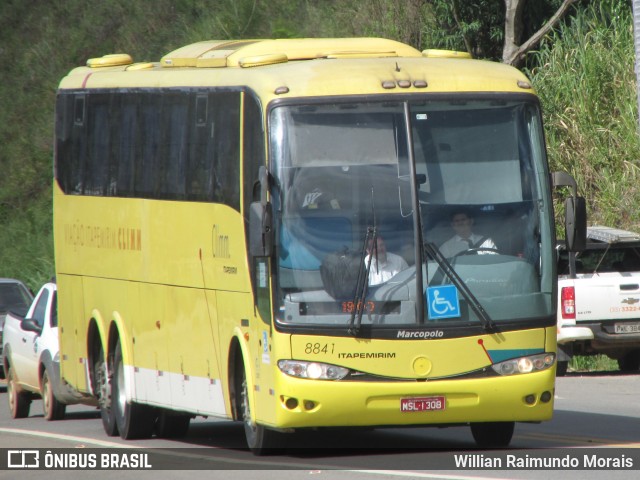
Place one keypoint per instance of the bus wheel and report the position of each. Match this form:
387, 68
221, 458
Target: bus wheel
171, 425
103, 383
492, 434
19, 401
51, 407
133, 420
260, 440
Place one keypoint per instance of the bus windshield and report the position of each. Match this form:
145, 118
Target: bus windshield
345, 207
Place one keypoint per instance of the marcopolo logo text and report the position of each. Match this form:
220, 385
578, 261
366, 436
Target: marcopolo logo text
420, 334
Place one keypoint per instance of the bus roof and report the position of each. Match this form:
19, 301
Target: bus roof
307, 67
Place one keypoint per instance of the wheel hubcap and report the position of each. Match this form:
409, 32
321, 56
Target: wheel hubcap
46, 400
12, 394
249, 426
104, 393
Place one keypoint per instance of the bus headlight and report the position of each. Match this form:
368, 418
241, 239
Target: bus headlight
532, 363
312, 370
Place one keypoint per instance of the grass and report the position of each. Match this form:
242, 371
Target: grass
593, 363
586, 82
27, 245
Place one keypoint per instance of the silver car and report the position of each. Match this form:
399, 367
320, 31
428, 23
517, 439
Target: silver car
15, 297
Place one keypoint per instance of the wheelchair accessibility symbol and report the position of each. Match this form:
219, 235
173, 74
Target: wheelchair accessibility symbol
443, 302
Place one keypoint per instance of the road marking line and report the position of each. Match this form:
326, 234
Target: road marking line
70, 438
441, 476
582, 440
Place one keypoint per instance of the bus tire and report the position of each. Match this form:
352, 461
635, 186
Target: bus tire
260, 440
19, 401
103, 389
171, 425
132, 419
51, 407
492, 434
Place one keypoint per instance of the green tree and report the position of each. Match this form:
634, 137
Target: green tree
491, 29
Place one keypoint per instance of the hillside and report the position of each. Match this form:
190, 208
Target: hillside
583, 73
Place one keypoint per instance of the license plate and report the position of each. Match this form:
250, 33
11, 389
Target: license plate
426, 404
627, 327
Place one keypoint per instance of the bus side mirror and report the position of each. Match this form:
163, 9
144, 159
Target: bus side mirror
575, 223
261, 219
260, 230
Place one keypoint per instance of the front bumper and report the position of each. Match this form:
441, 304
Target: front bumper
600, 334
308, 403
573, 333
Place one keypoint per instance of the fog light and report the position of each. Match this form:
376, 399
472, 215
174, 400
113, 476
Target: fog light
291, 403
530, 399
309, 405
545, 397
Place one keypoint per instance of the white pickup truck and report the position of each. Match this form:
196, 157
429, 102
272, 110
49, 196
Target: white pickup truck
31, 359
599, 299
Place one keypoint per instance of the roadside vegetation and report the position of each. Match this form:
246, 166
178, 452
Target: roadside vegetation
585, 77
583, 73
596, 363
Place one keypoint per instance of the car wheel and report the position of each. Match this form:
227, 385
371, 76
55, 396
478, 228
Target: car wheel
52, 408
19, 401
630, 362
561, 368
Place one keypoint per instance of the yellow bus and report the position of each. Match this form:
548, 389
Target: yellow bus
255, 230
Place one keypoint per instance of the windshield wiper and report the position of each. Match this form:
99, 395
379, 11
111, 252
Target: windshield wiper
435, 253
362, 284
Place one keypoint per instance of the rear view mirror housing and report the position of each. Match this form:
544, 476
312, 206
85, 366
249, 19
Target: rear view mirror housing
260, 230
575, 213
261, 219
575, 223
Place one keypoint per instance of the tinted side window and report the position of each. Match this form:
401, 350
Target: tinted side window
14, 297
40, 312
254, 153
54, 310
175, 144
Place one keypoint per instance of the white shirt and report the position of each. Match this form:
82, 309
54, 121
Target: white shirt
383, 272
457, 244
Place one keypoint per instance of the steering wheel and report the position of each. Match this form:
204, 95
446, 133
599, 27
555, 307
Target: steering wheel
477, 250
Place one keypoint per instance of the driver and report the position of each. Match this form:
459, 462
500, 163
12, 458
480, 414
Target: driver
464, 238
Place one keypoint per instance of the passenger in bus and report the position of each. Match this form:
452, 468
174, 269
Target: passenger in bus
464, 238
384, 265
